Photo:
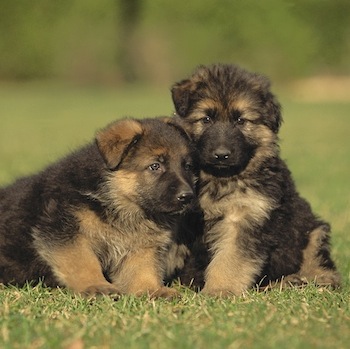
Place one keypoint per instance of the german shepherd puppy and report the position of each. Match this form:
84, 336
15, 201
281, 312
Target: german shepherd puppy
102, 220
257, 228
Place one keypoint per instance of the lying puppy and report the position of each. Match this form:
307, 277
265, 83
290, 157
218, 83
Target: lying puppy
257, 228
100, 221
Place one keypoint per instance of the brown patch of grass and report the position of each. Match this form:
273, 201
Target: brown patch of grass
321, 88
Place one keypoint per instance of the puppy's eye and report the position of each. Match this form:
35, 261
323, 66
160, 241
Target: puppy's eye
154, 167
240, 121
188, 166
206, 120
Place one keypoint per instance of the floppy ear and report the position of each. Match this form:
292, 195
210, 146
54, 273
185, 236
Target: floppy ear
116, 140
176, 123
181, 93
274, 109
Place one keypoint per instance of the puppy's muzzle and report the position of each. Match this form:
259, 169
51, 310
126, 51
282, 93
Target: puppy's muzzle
221, 154
185, 197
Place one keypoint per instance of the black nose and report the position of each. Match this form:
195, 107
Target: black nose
221, 153
185, 197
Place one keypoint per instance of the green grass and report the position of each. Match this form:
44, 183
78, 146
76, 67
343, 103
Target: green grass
37, 318
41, 122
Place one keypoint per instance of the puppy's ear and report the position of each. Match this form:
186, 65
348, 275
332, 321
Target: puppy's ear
182, 93
117, 139
176, 123
274, 110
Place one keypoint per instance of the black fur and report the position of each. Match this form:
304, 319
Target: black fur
131, 184
246, 191
41, 201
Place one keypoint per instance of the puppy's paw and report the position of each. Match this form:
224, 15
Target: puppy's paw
219, 293
164, 292
326, 278
329, 278
293, 280
96, 290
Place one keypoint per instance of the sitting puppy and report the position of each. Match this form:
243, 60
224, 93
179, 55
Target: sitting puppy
257, 229
101, 221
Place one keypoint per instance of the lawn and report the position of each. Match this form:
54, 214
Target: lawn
41, 122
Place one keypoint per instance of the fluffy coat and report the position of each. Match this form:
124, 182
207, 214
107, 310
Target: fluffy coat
256, 228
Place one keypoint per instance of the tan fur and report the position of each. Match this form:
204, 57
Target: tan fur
230, 263
176, 257
310, 266
268, 140
268, 146
102, 220
100, 234
137, 269
236, 202
132, 256
122, 187
77, 267
240, 208
246, 106
219, 274
256, 224
144, 234
140, 274
310, 270
114, 140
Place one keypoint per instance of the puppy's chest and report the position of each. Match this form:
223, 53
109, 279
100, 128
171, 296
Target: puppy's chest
234, 204
121, 238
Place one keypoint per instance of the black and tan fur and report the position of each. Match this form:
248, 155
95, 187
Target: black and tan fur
101, 220
257, 229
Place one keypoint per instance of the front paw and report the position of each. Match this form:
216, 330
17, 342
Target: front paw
328, 278
219, 293
293, 280
164, 292
96, 290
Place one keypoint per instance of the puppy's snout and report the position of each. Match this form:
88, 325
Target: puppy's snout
221, 153
185, 197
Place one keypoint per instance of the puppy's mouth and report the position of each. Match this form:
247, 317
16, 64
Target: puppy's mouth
229, 166
172, 210
179, 211
222, 170
182, 208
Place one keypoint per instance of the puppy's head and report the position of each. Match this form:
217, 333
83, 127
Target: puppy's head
149, 165
232, 116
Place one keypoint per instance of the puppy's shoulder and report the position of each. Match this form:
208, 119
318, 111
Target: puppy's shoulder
275, 178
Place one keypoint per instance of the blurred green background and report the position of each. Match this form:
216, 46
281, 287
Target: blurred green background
68, 67
156, 41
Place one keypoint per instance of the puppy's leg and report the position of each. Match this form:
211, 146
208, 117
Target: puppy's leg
231, 271
317, 266
77, 267
141, 273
